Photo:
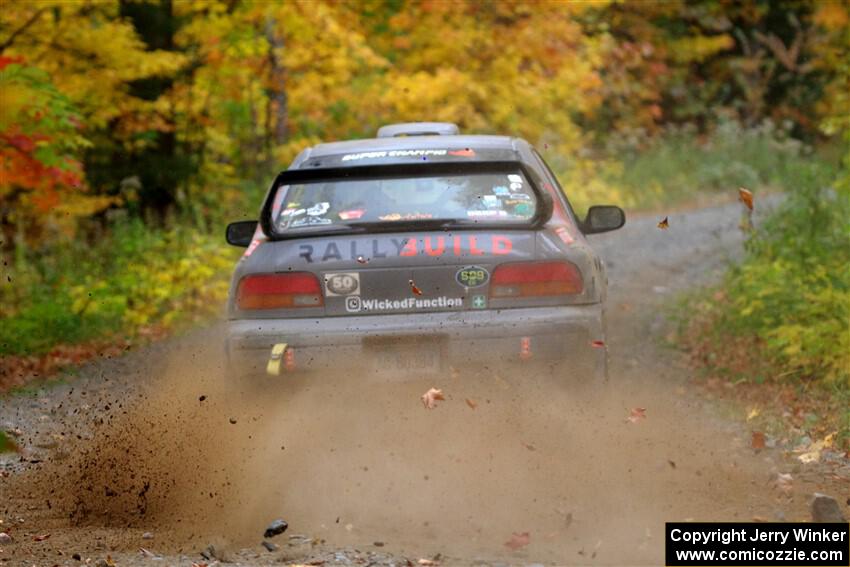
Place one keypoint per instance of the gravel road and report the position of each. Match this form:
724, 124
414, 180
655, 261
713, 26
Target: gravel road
149, 460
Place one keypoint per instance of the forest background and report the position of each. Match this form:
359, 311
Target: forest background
132, 131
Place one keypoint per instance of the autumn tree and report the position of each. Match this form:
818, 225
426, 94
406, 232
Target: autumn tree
93, 56
41, 178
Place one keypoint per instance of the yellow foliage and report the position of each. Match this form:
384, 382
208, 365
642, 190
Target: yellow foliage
89, 52
700, 47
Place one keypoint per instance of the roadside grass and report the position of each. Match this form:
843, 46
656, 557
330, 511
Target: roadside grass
6, 444
131, 278
680, 167
778, 327
741, 373
66, 304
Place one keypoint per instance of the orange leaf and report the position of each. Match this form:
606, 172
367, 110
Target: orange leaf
429, 398
637, 414
757, 441
414, 289
746, 197
518, 540
664, 225
471, 403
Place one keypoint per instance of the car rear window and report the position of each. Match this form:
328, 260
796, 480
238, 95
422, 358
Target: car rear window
488, 197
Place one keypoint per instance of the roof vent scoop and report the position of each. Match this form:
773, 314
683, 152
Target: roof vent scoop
418, 129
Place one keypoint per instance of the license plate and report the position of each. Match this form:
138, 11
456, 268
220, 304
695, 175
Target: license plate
407, 360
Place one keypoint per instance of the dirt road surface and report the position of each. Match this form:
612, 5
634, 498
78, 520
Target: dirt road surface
150, 459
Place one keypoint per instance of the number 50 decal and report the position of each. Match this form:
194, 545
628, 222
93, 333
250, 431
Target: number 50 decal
342, 284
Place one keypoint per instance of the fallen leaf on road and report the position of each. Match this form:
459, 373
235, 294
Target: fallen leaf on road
754, 413
746, 197
41, 537
810, 457
664, 224
813, 452
414, 289
637, 414
429, 398
597, 344
784, 484
471, 403
758, 440
518, 541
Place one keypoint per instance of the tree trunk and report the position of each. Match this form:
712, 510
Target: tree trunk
277, 83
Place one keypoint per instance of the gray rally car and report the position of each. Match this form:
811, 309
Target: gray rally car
415, 250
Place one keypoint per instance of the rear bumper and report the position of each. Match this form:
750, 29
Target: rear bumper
540, 333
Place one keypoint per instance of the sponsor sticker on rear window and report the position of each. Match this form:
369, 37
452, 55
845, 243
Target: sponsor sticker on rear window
341, 203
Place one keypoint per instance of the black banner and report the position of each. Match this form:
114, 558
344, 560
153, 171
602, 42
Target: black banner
763, 544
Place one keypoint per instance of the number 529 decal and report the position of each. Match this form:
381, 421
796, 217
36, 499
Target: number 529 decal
472, 276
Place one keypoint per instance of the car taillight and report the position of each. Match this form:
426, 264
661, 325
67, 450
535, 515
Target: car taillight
279, 291
530, 279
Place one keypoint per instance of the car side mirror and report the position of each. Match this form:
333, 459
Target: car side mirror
603, 218
241, 233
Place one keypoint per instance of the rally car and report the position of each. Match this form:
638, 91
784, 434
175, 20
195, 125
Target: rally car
416, 250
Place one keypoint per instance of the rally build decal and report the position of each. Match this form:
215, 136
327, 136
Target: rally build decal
457, 245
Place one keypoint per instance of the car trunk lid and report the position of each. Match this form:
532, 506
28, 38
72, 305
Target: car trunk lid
398, 273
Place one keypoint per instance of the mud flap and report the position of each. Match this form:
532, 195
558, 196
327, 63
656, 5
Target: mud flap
275, 359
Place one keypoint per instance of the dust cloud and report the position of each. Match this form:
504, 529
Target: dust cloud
354, 458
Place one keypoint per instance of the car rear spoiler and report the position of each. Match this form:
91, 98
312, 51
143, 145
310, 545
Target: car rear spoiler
542, 213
